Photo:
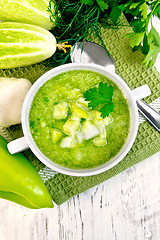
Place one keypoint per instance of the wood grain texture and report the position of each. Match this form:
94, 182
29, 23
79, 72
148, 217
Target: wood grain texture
126, 207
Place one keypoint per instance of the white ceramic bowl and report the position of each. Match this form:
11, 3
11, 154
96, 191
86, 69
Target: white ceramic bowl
27, 140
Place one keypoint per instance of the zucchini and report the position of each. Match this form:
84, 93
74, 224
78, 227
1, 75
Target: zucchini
27, 11
24, 44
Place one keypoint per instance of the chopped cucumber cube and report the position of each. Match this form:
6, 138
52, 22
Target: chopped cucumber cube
79, 112
80, 137
98, 120
56, 135
102, 131
82, 101
89, 129
71, 126
43, 124
108, 120
75, 117
60, 111
96, 117
74, 93
68, 142
99, 142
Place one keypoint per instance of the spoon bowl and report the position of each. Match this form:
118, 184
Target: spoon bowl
92, 53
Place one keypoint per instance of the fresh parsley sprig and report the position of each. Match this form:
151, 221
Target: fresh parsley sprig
100, 96
142, 37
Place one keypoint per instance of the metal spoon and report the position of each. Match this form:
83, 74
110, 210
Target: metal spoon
88, 52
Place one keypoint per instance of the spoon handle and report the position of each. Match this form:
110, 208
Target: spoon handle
152, 115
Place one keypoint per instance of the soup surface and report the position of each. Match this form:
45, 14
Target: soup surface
70, 133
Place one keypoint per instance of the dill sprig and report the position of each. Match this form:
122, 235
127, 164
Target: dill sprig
75, 21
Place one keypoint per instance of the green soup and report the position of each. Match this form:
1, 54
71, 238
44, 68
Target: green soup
70, 133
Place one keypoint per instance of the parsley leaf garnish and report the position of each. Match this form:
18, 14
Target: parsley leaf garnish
101, 96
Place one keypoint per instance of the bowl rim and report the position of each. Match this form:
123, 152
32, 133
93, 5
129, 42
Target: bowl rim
133, 119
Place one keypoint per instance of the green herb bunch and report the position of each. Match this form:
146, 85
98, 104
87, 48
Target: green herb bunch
78, 20
143, 37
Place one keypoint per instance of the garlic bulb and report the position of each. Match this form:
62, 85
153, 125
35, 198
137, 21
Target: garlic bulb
12, 94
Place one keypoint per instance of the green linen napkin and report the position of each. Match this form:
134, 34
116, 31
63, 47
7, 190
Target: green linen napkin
129, 66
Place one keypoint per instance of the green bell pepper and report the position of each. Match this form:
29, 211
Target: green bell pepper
20, 182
